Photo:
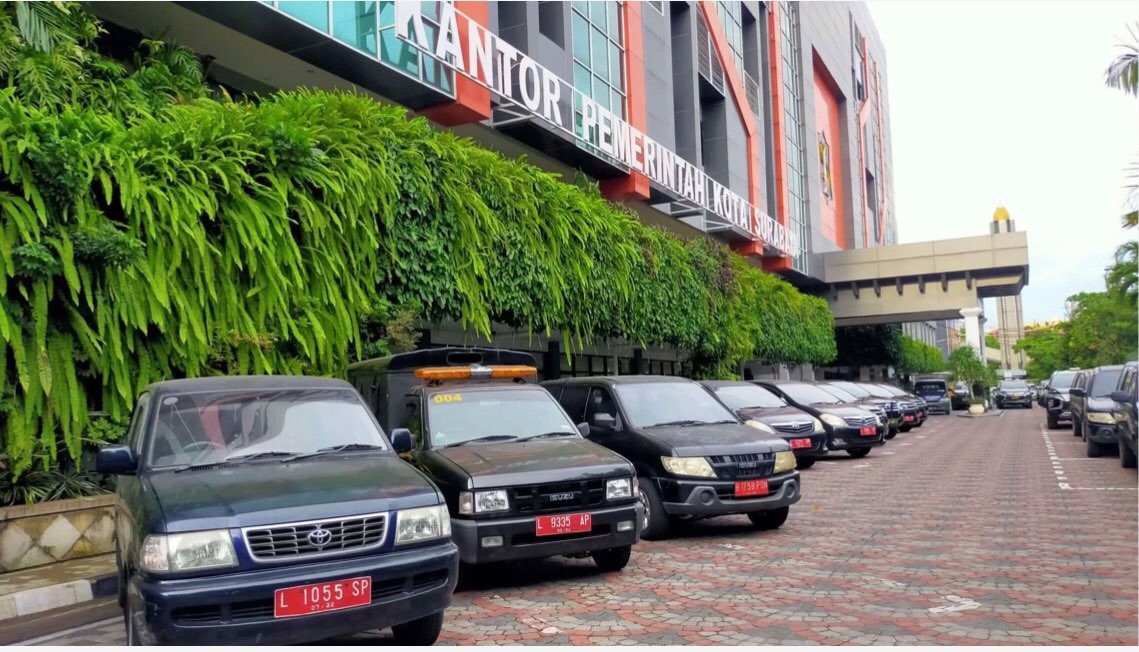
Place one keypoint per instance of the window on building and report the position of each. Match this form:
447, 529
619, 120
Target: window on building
551, 21
658, 5
598, 56
731, 19
795, 152
356, 24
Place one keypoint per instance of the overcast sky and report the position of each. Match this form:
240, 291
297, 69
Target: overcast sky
1004, 103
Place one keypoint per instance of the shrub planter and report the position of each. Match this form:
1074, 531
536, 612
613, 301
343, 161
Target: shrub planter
977, 408
56, 530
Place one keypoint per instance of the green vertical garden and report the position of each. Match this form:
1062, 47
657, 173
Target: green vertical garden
153, 229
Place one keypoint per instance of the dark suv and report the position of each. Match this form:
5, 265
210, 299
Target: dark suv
518, 476
273, 510
694, 457
1013, 392
1126, 396
1057, 399
1093, 411
849, 428
761, 409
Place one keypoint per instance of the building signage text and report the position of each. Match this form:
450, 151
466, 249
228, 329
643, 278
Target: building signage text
495, 64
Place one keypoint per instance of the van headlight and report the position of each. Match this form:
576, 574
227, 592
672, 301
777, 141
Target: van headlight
761, 426
832, 420
697, 467
170, 553
784, 462
816, 424
618, 489
481, 502
422, 523
1101, 417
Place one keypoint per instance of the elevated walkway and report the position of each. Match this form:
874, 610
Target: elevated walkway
925, 280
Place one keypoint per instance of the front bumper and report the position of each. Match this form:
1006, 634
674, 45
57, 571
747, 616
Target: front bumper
1101, 433
818, 446
944, 406
1025, 401
713, 497
1059, 409
237, 608
519, 540
846, 438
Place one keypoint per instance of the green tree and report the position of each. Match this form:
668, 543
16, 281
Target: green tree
992, 342
1101, 329
968, 367
919, 357
1046, 348
877, 344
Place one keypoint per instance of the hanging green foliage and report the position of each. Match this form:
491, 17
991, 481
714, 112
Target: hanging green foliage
148, 231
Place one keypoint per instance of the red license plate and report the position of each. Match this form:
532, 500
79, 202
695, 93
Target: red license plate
318, 598
869, 431
545, 526
751, 488
800, 443
907, 419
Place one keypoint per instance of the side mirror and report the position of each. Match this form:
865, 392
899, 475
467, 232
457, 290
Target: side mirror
1076, 391
583, 428
119, 459
1120, 396
603, 422
401, 440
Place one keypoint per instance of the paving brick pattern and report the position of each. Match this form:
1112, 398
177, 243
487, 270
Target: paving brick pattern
957, 533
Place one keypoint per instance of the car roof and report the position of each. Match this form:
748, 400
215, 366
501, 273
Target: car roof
1107, 367
620, 380
245, 383
713, 384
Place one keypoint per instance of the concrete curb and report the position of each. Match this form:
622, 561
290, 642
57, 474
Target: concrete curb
46, 598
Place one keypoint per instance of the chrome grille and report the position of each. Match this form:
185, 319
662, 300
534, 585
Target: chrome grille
559, 496
793, 428
860, 421
744, 465
315, 538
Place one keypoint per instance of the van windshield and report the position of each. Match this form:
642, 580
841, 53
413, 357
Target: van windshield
742, 397
455, 416
653, 404
1105, 382
1062, 380
208, 427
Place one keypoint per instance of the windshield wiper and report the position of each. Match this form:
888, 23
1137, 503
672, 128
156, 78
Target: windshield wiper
687, 422
487, 438
551, 435
335, 449
235, 458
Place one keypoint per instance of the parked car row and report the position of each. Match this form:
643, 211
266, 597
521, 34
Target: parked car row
1099, 403
290, 509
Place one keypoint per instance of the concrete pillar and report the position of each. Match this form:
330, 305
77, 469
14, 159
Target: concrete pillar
974, 336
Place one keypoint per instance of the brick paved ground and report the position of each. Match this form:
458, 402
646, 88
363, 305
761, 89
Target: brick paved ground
964, 532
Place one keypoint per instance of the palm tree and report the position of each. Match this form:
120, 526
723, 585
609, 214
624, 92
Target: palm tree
1123, 73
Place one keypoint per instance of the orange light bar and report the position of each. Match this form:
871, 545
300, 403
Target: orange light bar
461, 373
512, 371
443, 373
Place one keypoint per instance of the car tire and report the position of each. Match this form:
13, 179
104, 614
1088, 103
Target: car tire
657, 523
1094, 449
1077, 428
1126, 455
1052, 422
612, 560
906, 428
805, 462
421, 631
890, 434
122, 577
130, 622
769, 519
858, 452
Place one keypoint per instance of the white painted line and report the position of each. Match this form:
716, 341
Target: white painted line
889, 453
961, 604
43, 639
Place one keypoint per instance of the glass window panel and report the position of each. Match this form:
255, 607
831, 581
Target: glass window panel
581, 5
580, 30
599, 58
398, 53
581, 78
355, 24
310, 13
600, 92
617, 102
430, 9
597, 13
616, 70
614, 19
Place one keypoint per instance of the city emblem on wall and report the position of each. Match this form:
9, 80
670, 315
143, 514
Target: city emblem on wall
826, 182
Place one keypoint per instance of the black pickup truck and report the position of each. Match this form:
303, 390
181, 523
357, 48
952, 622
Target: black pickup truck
519, 478
694, 457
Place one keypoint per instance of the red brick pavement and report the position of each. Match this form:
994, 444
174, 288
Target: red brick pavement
957, 533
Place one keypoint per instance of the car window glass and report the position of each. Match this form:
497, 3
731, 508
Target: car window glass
1062, 380
141, 410
1014, 385
573, 400
741, 397
202, 427
600, 402
1103, 383
852, 388
455, 416
413, 420
807, 394
654, 403
839, 393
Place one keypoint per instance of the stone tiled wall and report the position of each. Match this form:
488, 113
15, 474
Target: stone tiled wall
55, 531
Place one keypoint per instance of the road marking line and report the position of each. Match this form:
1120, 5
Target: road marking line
962, 604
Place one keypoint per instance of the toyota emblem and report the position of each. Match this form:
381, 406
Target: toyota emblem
319, 537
